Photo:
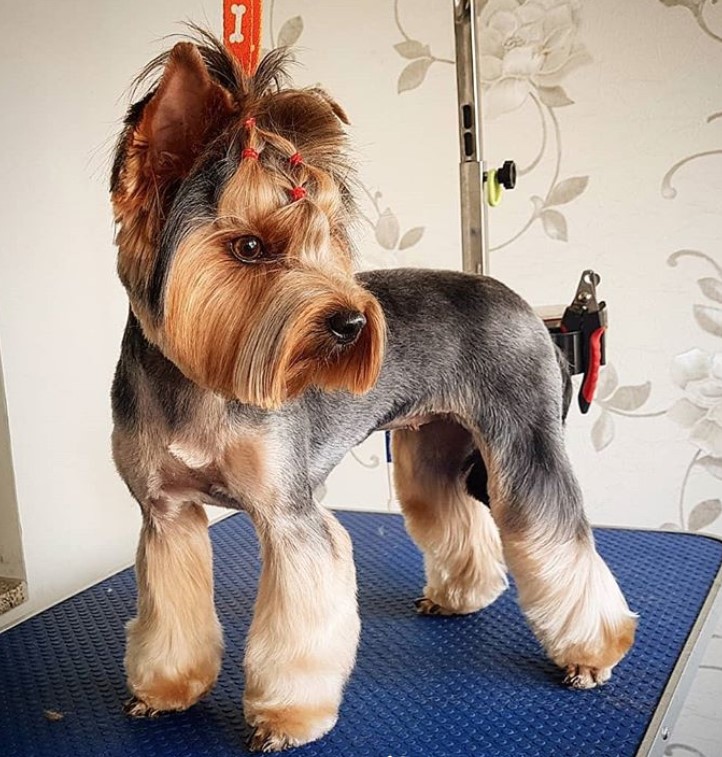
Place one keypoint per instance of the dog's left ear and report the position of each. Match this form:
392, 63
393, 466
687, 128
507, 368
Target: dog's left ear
164, 135
338, 111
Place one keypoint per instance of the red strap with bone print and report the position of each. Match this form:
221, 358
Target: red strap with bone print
242, 21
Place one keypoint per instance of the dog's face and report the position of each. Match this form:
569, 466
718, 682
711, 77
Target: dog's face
233, 210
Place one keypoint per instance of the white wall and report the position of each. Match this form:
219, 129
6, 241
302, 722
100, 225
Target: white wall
11, 557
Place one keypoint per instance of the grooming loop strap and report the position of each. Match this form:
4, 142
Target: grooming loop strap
242, 21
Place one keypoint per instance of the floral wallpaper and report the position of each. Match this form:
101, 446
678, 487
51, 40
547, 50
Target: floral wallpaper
612, 112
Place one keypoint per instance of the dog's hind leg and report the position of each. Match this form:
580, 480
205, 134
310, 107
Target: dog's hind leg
174, 645
566, 590
456, 533
302, 641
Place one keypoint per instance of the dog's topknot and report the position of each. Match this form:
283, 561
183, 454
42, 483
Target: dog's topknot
307, 117
194, 102
270, 75
224, 68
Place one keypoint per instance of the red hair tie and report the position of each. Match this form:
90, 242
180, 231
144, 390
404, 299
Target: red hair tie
296, 159
297, 193
249, 122
249, 152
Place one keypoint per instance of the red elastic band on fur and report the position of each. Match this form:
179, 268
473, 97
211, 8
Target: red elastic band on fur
249, 122
296, 159
249, 152
297, 193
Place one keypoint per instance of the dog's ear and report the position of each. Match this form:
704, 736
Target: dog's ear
186, 108
164, 135
338, 111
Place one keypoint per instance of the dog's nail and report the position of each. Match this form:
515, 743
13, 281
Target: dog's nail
261, 741
136, 708
424, 606
255, 741
582, 677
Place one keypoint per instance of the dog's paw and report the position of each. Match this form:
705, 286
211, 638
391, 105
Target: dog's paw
463, 597
277, 728
137, 708
425, 606
165, 695
265, 740
584, 677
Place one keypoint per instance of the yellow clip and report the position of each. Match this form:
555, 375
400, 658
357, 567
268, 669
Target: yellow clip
494, 189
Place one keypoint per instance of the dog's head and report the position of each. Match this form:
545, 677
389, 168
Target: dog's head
232, 199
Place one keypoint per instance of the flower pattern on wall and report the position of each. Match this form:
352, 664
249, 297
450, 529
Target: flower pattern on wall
698, 373
289, 32
386, 229
697, 8
418, 53
668, 190
613, 399
527, 49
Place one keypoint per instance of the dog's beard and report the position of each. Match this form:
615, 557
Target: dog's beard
290, 348
263, 338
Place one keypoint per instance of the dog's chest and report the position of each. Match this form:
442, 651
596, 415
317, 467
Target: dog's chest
223, 468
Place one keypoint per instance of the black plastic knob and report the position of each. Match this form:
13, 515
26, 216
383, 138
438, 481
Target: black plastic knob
507, 174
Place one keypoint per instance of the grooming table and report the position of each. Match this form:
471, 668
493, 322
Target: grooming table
422, 687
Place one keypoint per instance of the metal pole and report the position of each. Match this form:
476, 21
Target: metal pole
475, 256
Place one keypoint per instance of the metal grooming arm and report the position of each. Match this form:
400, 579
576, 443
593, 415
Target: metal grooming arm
471, 169
578, 330
474, 178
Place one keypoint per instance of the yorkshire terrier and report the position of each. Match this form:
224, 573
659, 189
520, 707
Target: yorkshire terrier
253, 359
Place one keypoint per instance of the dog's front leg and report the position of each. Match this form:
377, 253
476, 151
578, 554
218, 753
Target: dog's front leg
175, 643
302, 642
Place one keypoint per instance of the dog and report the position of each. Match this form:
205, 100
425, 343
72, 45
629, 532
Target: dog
253, 359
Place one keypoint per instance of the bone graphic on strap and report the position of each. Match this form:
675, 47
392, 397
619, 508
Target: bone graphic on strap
238, 11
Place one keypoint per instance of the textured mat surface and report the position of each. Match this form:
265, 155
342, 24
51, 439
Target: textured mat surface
423, 686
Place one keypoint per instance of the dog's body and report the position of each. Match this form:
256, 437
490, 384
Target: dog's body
253, 361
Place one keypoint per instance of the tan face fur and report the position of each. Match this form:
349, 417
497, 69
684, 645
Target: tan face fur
256, 330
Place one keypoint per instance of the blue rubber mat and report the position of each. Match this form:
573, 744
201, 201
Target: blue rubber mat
423, 686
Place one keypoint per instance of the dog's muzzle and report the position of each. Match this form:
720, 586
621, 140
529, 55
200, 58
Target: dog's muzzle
346, 325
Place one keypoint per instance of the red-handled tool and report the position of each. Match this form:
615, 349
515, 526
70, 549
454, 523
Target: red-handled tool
586, 320
589, 385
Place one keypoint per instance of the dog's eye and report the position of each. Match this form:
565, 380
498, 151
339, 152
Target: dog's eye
247, 249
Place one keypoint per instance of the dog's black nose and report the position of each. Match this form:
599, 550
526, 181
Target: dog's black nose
346, 325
